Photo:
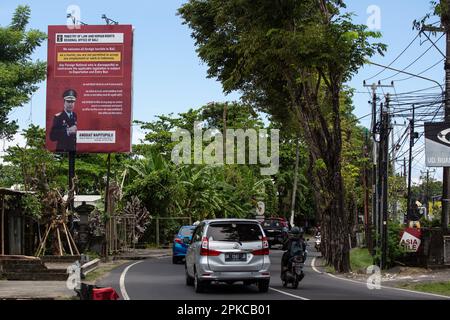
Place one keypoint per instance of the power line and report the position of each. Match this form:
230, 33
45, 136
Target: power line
415, 91
407, 47
434, 65
417, 59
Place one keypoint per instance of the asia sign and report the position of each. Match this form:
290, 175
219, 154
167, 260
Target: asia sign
411, 240
437, 144
89, 89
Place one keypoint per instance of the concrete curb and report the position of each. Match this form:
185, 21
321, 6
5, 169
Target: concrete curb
89, 267
136, 258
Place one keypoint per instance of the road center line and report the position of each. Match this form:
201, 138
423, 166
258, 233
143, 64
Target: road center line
290, 295
383, 287
122, 281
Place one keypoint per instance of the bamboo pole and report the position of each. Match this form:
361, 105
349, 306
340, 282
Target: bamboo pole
67, 237
73, 242
42, 244
59, 242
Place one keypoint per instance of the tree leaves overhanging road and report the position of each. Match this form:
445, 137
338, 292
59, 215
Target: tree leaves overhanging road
291, 58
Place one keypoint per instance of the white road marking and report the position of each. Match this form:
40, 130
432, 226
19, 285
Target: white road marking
290, 295
122, 281
384, 287
313, 265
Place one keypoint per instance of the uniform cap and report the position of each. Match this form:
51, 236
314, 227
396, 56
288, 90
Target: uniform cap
70, 95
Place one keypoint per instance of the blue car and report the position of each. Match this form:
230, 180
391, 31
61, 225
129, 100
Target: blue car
181, 243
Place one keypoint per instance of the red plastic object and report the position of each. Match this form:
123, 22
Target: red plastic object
104, 294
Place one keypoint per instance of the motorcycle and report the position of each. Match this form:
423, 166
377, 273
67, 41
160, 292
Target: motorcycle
317, 243
293, 273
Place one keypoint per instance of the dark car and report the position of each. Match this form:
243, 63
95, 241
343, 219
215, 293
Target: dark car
276, 230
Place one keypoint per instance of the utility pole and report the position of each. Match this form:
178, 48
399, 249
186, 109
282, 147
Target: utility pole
224, 150
367, 220
394, 151
380, 181
445, 21
404, 168
225, 115
375, 175
384, 179
394, 171
412, 136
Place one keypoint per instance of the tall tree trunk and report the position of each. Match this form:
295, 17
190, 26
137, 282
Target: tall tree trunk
294, 187
340, 220
324, 139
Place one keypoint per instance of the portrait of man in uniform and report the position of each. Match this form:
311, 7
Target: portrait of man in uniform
64, 126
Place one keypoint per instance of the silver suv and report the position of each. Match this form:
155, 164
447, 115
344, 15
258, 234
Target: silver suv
228, 250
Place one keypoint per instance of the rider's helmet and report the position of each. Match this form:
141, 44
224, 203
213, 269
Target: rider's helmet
296, 232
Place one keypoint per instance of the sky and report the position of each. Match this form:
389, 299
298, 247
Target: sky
170, 78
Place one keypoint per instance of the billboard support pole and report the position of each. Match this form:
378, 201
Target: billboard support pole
411, 145
72, 156
106, 205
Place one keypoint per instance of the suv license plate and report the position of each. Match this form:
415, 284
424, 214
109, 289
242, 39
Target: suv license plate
235, 257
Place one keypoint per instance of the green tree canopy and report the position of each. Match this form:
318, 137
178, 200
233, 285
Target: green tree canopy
291, 58
18, 73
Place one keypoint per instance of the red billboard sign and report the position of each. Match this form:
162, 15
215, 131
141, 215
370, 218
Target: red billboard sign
89, 89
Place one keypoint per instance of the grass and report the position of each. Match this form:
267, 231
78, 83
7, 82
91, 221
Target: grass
92, 255
330, 269
442, 288
102, 270
360, 259
152, 246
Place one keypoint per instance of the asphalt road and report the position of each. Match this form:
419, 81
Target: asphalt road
159, 279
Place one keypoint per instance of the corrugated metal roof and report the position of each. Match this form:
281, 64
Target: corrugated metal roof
81, 198
11, 192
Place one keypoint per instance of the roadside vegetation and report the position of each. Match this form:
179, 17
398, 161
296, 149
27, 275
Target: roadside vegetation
360, 259
442, 288
102, 271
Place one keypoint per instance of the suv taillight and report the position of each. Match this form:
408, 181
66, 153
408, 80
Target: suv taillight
265, 243
262, 252
204, 251
265, 248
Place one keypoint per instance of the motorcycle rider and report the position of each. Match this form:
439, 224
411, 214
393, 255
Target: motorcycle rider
318, 237
318, 231
295, 239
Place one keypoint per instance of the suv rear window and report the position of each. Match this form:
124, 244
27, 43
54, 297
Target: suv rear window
229, 231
